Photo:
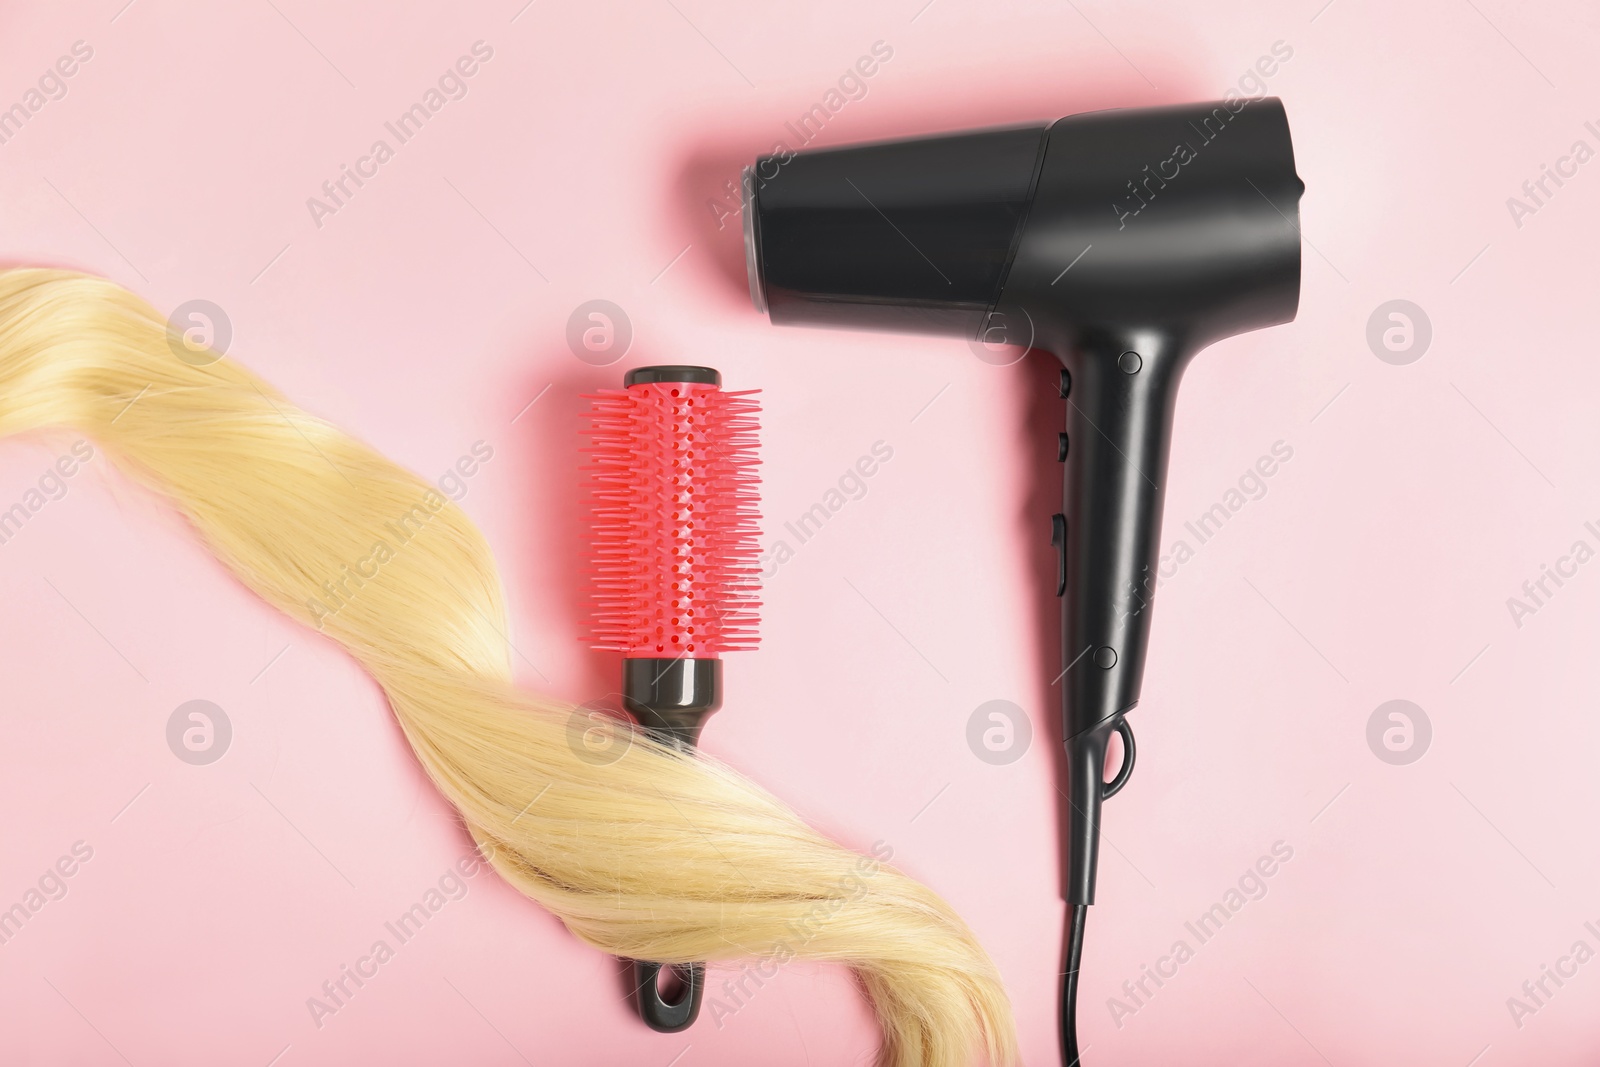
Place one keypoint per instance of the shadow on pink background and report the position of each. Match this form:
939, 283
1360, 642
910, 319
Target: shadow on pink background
587, 160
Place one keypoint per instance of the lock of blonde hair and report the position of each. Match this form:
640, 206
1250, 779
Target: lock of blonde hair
654, 855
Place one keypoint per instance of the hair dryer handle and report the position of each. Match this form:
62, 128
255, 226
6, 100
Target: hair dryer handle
1120, 392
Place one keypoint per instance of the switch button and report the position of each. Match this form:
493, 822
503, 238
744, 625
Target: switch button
1058, 537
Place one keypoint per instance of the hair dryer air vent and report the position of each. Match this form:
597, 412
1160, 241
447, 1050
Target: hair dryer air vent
752, 241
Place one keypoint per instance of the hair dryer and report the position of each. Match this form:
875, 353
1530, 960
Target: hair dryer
1122, 242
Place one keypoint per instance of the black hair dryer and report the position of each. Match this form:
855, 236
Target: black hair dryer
1122, 242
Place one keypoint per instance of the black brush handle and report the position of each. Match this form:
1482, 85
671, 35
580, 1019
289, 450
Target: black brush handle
671, 698
662, 1016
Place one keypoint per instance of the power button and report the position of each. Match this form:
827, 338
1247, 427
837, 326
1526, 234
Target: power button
1058, 537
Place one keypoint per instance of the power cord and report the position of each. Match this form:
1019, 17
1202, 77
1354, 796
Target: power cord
1076, 913
1069, 985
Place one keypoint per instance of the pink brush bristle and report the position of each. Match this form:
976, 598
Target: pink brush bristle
674, 518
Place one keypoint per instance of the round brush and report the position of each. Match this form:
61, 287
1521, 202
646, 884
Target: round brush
673, 471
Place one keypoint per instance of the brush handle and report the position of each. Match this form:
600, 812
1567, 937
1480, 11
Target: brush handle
1119, 391
671, 698
661, 1016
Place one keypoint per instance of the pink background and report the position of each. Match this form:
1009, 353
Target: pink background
428, 312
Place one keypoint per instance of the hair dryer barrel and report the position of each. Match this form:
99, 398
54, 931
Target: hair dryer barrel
1176, 222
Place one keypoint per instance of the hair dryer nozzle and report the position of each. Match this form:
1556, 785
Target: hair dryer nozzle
912, 236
